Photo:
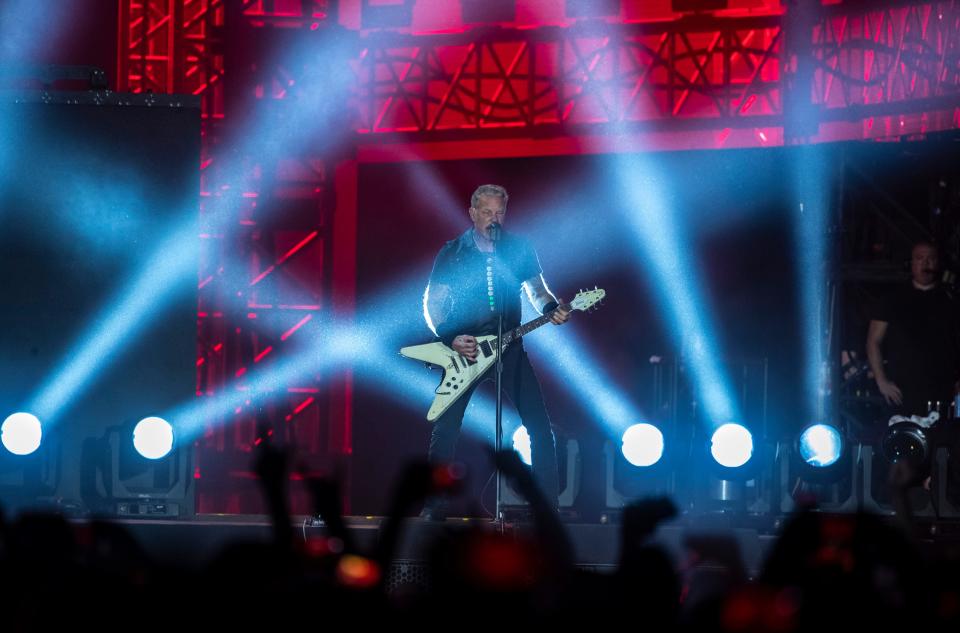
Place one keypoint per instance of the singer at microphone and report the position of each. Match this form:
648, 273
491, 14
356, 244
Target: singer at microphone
471, 275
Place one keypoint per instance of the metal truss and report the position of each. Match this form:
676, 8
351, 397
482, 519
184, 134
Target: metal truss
177, 46
903, 57
721, 73
263, 280
869, 60
895, 68
264, 286
173, 46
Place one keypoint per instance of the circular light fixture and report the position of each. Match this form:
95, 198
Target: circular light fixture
731, 445
642, 444
905, 441
21, 433
820, 445
153, 437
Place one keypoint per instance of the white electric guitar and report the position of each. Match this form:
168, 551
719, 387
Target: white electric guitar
459, 372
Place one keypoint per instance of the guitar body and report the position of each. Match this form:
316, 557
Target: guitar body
459, 373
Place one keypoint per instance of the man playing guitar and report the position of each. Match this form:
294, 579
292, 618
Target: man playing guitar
460, 304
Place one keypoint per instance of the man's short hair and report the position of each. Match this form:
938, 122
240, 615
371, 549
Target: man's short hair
489, 190
926, 243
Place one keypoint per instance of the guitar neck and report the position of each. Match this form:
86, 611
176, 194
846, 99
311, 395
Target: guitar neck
530, 326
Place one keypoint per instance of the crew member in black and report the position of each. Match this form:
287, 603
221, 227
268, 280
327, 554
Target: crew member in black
917, 332
461, 304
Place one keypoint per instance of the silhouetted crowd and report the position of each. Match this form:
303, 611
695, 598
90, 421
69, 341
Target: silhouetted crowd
823, 572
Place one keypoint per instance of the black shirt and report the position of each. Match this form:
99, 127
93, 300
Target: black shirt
476, 283
922, 343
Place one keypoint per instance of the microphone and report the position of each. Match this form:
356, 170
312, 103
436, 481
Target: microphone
494, 231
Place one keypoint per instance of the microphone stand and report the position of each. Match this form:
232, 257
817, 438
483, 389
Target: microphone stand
494, 232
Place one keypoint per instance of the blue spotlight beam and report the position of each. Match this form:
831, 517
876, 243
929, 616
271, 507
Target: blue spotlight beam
170, 265
372, 336
313, 113
566, 356
369, 352
660, 241
811, 212
319, 97
435, 194
336, 346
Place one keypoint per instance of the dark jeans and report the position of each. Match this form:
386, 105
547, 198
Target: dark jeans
521, 386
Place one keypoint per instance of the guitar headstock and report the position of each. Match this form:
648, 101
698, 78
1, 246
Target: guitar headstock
587, 299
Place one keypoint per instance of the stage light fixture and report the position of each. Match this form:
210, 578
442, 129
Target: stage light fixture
820, 445
136, 471
908, 447
30, 464
521, 444
153, 437
21, 433
643, 463
731, 445
738, 474
907, 442
642, 444
817, 469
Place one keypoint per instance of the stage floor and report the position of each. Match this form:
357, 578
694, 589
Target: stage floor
196, 542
